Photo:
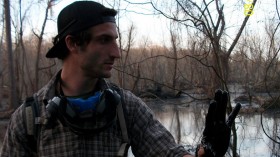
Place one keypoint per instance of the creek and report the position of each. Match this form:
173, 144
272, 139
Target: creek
186, 123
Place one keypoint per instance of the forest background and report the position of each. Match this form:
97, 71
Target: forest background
187, 47
203, 45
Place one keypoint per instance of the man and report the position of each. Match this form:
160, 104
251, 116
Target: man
83, 115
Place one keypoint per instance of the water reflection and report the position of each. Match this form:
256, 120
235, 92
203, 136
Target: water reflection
187, 123
252, 139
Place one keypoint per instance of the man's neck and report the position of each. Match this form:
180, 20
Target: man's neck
76, 84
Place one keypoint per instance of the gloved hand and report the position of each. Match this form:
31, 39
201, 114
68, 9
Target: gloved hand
216, 135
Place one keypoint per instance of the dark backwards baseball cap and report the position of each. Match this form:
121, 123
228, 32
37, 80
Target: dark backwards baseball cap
77, 17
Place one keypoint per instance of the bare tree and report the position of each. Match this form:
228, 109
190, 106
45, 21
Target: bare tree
25, 82
125, 53
39, 44
13, 93
174, 42
202, 18
1, 59
272, 73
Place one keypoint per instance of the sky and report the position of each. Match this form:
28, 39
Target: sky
146, 25
156, 28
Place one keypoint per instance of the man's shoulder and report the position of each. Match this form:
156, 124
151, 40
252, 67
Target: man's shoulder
127, 95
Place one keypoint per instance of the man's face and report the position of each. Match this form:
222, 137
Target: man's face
97, 58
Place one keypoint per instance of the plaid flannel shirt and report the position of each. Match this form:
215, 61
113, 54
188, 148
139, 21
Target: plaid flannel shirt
148, 137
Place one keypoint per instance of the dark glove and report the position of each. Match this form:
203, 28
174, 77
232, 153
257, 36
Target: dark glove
216, 135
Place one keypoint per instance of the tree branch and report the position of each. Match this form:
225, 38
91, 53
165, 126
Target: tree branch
240, 31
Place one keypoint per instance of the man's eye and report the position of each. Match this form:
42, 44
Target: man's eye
105, 40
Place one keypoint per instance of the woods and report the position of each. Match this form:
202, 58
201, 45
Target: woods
202, 52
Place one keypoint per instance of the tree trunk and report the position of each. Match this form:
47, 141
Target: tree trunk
13, 93
39, 46
175, 50
1, 61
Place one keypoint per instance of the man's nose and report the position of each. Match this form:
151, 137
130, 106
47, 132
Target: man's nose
115, 52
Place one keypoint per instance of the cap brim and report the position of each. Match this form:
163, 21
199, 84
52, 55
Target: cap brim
54, 51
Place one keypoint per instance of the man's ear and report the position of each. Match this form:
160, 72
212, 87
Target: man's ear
71, 45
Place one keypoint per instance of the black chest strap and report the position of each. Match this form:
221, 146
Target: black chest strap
32, 120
